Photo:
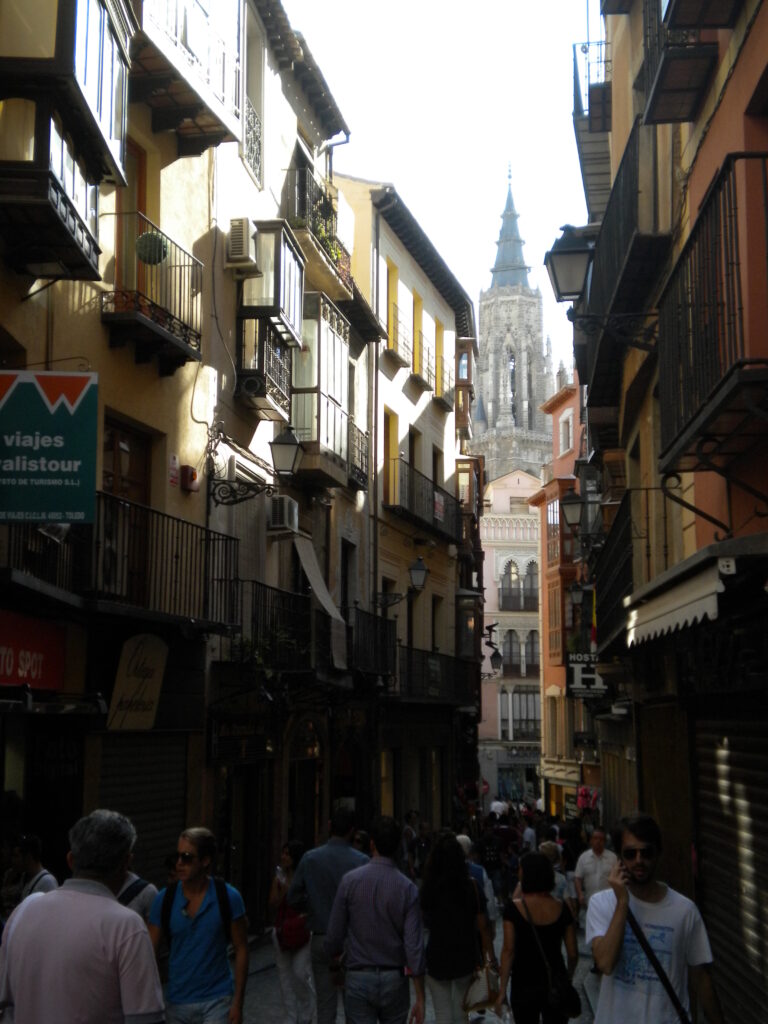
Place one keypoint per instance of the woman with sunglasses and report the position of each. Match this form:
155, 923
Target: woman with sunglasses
290, 939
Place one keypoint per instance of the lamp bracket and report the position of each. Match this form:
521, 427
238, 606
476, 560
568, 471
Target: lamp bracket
636, 330
232, 492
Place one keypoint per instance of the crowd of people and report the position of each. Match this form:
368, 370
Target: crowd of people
376, 918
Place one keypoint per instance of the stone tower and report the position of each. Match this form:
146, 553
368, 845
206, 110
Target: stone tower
514, 369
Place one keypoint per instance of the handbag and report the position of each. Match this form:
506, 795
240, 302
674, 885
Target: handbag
290, 927
483, 989
654, 961
562, 997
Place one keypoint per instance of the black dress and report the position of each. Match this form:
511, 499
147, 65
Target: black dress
452, 947
528, 978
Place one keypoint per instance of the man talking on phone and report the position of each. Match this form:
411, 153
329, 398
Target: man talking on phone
632, 990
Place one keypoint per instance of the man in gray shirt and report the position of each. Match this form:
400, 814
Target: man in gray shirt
313, 889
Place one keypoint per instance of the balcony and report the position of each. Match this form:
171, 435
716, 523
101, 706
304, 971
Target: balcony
156, 301
414, 496
252, 140
73, 59
276, 626
423, 366
276, 296
444, 390
615, 6
264, 370
426, 677
678, 14
513, 599
678, 68
638, 547
373, 644
629, 251
135, 558
311, 212
713, 347
188, 73
399, 347
357, 466
320, 400
592, 113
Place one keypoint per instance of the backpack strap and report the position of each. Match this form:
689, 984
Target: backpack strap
137, 885
225, 908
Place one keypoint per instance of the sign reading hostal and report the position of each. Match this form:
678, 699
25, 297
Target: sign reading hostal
48, 434
138, 683
583, 679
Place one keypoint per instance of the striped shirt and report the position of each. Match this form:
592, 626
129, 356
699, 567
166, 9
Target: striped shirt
376, 916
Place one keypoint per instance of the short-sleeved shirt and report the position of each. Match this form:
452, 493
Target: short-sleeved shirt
43, 881
632, 993
142, 901
593, 871
198, 965
75, 956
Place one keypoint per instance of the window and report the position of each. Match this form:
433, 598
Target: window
531, 588
464, 366
504, 714
254, 86
511, 653
321, 366
553, 532
101, 71
566, 432
125, 462
526, 714
512, 386
554, 623
532, 655
509, 592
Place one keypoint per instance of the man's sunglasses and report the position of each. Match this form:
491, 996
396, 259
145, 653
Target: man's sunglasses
186, 858
633, 852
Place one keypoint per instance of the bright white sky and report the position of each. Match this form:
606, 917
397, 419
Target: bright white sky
441, 96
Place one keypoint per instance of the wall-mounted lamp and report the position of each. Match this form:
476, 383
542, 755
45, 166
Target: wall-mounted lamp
286, 456
287, 452
568, 261
417, 573
496, 658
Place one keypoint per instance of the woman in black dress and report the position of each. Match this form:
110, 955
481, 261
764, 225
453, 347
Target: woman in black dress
521, 957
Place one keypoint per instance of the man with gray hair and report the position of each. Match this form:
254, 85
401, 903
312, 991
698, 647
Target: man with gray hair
75, 954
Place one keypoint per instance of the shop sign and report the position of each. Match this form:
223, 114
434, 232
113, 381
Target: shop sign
48, 431
31, 652
138, 683
570, 804
583, 680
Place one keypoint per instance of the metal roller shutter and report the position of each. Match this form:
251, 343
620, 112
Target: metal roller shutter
145, 778
732, 810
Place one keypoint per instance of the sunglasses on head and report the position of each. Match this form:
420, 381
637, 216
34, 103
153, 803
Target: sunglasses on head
186, 858
633, 852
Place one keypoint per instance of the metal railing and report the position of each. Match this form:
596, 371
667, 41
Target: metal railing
188, 25
134, 555
620, 224
358, 454
426, 676
424, 361
372, 643
252, 139
399, 338
445, 388
155, 278
591, 67
414, 493
714, 309
275, 626
512, 599
311, 206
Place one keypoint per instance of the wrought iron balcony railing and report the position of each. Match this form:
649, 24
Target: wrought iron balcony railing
429, 677
677, 65
264, 373
399, 341
713, 353
276, 627
423, 367
512, 599
135, 556
373, 643
412, 494
358, 455
156, 299
444, 392
311, 206
252, 139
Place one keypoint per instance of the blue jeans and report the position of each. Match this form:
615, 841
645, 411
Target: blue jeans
212, 1011
376, 997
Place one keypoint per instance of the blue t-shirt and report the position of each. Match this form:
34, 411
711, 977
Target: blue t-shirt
198, 966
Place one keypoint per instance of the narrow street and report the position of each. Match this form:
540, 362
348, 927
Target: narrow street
264, 1004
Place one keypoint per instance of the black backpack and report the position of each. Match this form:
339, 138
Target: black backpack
225, 910
133, 890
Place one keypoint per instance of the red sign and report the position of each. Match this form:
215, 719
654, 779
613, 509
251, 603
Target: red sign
31, 652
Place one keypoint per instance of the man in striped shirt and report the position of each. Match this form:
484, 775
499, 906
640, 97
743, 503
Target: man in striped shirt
376, 918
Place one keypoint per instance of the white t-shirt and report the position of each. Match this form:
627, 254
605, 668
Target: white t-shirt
593, 871
633, 993
75, 956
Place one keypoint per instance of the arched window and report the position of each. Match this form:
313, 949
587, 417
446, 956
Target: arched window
532, 654
509, 591
511, 653
531, 588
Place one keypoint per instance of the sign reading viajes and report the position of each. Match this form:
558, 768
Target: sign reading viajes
48, 430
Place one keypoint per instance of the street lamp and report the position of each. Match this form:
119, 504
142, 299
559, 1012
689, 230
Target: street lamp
417, 574
287, 451
571, 507
568, 261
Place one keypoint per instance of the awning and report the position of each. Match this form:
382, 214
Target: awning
308, 559
683, 605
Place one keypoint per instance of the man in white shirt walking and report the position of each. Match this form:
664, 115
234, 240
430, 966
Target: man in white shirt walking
593, 867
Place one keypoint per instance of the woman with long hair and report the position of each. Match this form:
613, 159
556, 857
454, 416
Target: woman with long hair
458, 933
291, 940
521, 955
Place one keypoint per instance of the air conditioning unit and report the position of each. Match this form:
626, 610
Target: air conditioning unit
241, 246
283, 513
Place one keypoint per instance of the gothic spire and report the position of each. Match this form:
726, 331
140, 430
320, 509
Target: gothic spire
510, 267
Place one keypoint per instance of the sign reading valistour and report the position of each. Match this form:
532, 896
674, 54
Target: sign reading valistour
48, 430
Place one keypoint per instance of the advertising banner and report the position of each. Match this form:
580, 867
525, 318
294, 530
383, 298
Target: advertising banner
48, 435
31, 652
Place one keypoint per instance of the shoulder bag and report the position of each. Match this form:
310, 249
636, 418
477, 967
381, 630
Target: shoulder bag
290, 927
562, 997
654, 961
483, 988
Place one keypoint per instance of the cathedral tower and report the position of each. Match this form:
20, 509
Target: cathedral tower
514, 370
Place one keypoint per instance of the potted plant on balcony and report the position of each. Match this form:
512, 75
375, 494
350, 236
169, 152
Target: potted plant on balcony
151, 247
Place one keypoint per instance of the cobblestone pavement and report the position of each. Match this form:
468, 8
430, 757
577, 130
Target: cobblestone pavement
264, 1004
